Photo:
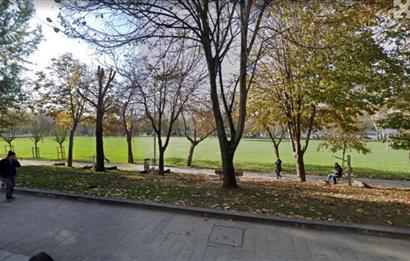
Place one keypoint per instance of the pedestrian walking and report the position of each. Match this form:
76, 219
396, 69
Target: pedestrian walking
8, 173
278, 168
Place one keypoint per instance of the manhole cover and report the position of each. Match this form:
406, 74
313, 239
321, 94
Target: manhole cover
224, 235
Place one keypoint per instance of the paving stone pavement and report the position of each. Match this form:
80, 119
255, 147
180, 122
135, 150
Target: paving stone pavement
7, 256
75, 230
247, 174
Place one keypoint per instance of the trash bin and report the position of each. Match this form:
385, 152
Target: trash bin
146, 164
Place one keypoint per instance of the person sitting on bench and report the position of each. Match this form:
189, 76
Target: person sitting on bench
335, 175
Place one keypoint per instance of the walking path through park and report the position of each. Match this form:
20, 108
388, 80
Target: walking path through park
251, 175
79, 230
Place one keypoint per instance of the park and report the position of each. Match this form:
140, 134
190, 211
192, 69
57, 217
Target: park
253, 155
204, 130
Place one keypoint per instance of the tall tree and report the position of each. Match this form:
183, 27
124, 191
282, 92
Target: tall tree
132, 72
326, 61
394, 33
101, 97
175, 75
58, 89
222, 29
17, 41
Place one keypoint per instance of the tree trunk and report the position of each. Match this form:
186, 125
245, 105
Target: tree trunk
71, 146
62, 151
191, 153
300, 166
229, 179
276, 147
161, 161
129, 143
100, 166
227, 153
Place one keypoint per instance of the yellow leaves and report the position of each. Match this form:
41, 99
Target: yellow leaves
309, 200
129, 124
62, 119
263, 110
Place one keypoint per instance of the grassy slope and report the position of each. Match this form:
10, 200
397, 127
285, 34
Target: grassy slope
253, 154
312, 200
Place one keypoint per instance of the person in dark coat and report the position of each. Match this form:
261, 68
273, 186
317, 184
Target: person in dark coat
42, 256
278, 168
335, 175
8, 172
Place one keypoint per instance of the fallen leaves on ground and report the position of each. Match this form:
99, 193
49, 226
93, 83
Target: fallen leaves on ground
311, 200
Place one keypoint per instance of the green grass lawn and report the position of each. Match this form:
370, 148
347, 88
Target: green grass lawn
252, 154
312, 200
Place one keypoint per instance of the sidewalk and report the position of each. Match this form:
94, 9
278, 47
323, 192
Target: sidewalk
247, 174
7, 256
80, 230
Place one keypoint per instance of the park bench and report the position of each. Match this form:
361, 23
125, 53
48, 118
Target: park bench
92, 162
59, 164
220, 172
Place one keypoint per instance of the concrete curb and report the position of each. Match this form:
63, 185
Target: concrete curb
383, 231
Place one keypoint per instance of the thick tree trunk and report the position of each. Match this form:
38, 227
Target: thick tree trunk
191, 153
227, 153
100, 166
130, 153
229, 179
71, 146
161, 161
300, 166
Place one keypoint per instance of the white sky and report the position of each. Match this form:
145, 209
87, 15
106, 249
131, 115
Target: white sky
54, 44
